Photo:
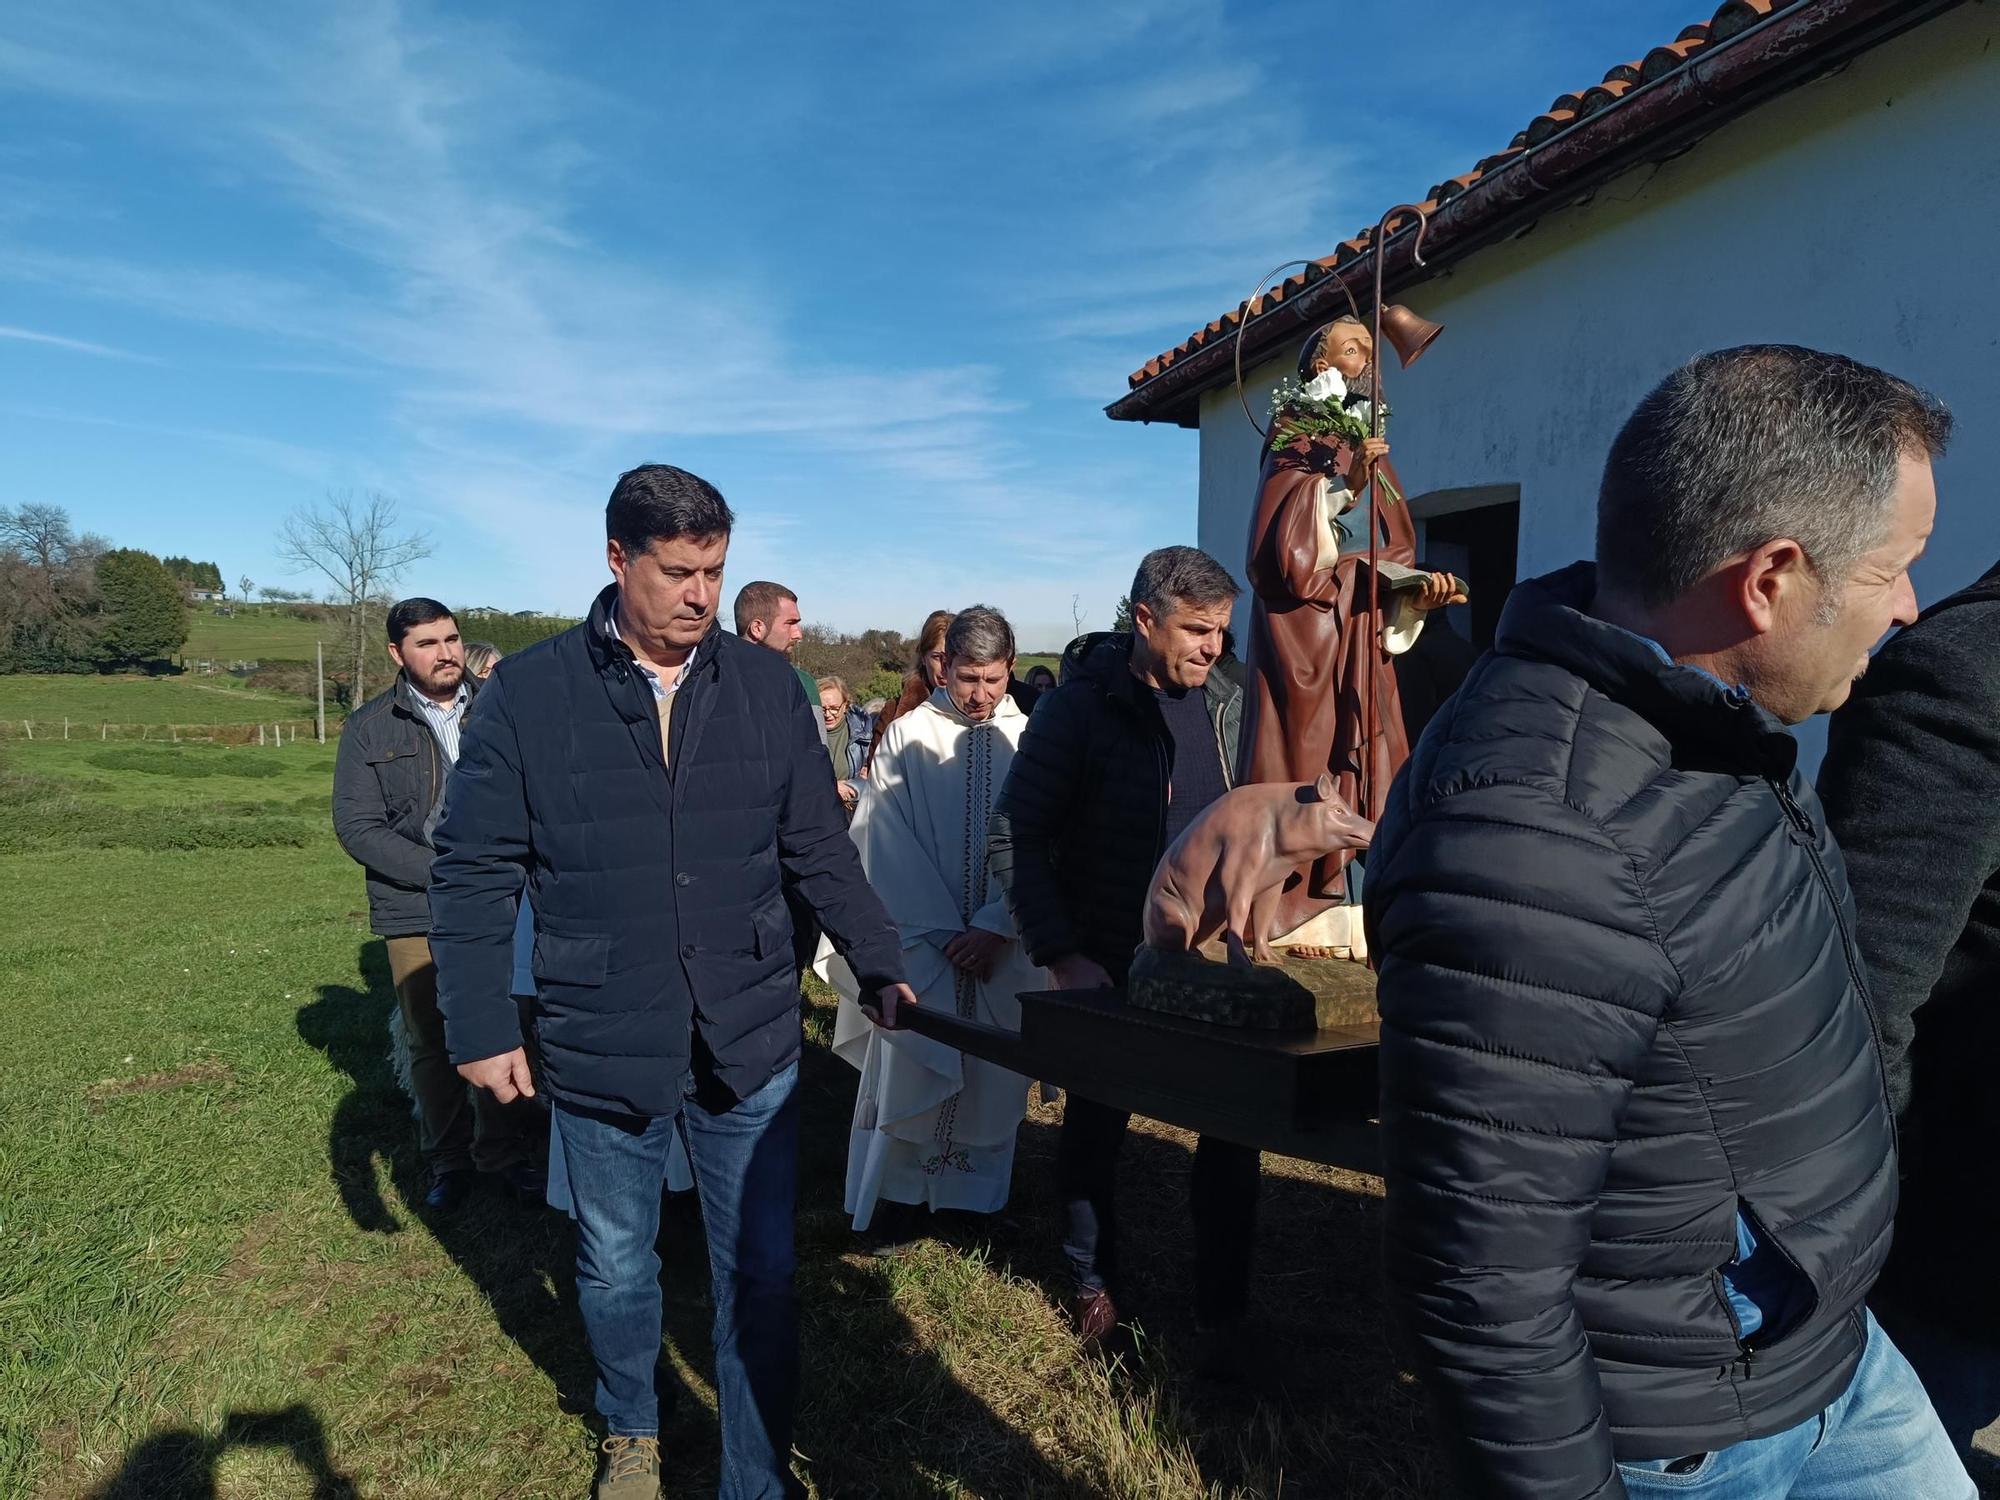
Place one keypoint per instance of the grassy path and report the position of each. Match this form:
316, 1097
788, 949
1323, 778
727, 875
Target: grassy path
212, 1283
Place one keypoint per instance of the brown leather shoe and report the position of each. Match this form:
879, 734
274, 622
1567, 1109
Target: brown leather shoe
1096, 1315
628, 1468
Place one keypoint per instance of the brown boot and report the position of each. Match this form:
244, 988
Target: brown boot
1096, 1316
628, 1468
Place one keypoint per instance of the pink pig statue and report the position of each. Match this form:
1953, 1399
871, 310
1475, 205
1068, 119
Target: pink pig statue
1226, 870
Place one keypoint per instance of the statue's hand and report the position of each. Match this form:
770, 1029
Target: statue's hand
1371, 453
1440, 590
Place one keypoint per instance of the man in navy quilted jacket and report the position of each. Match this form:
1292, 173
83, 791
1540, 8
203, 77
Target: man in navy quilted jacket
654, 784
1638, 1147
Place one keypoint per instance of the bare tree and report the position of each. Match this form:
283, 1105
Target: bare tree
1077, 614
243, 586
48, 604
354, 543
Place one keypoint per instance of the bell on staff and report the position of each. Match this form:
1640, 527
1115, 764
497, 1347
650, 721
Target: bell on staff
1408, 334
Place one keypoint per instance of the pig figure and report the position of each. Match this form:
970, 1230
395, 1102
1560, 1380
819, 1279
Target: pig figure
1225, 872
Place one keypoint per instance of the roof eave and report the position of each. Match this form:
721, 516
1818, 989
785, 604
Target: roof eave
1648, 123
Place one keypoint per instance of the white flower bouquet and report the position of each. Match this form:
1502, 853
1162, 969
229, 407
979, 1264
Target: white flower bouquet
1322, 407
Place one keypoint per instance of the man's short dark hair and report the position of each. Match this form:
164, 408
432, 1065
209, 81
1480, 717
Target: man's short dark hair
1179, 576
657, 502
1743, 446
406, 615
759, 601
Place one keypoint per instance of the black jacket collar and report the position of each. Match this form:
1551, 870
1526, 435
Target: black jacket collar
403, 695
1546, 619
1105, 657
611, 655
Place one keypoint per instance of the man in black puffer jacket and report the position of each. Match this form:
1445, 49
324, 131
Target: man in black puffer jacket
655, 783
1636, 1138
1912, 789
1137, 740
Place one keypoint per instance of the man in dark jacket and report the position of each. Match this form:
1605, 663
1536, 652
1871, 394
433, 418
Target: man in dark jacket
1636, 1138
1912, 790
1137, 740
655, 783
388, 780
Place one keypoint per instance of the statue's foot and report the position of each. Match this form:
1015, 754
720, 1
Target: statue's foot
1314, 953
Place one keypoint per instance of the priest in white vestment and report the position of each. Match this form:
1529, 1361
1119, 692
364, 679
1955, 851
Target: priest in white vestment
932, 1126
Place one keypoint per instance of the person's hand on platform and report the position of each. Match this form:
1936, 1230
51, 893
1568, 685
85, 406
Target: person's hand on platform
974, 951
506, 1077
1371, 452
888, 1001
1078, 973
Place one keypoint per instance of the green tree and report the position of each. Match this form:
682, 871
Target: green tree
1121, 620
145, 614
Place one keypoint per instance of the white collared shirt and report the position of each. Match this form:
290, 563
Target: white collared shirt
660, 692
446, 718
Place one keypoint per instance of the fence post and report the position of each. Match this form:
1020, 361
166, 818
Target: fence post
65, 727
174, 730
260, 734
104, 731
27, 725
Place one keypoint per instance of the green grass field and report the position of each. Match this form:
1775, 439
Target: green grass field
90, 701
214, 1285
255, 633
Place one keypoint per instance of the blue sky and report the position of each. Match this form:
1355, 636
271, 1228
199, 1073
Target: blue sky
874, 270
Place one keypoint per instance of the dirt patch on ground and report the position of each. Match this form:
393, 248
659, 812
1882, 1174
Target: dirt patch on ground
206, 1071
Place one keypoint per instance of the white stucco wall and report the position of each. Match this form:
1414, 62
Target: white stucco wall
1860, 214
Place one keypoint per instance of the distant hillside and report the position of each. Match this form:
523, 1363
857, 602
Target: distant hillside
267, 633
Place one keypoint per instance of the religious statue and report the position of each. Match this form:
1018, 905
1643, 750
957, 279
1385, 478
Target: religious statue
1321, 693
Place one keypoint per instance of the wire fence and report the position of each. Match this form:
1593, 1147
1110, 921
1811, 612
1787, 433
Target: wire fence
271, 733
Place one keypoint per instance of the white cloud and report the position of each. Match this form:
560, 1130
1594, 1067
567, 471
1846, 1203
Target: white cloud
75, 346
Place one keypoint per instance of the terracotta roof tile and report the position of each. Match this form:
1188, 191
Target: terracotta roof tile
1731, 19
1603, 96
1741, 15
1663, 60
1545, 125
1444, 192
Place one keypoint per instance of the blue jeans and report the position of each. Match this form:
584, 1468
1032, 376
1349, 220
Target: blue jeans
1879, 1441
745, 1158
1958, 1362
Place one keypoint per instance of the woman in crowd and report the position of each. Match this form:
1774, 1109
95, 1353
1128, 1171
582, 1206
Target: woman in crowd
481, 657
920, 684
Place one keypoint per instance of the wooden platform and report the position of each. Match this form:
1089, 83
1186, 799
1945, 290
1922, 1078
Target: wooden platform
1308, 1094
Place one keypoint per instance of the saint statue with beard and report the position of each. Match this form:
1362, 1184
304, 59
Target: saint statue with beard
1312, 628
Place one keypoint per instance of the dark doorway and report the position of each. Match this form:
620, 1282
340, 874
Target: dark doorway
1481, 545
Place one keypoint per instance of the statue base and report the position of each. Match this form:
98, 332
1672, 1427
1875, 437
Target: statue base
1296, 996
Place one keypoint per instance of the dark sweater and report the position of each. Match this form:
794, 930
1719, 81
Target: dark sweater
1912, 785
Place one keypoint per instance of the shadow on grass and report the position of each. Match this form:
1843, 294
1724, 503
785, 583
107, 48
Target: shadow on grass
522, 1258
1327, 1407
881, 1414
181, 1464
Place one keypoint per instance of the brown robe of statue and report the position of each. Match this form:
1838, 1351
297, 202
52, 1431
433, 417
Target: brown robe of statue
1310, 635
